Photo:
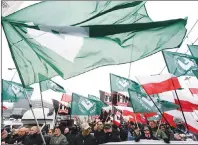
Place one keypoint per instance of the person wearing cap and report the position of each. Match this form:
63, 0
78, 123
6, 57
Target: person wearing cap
85, 138
109, 136
58, 138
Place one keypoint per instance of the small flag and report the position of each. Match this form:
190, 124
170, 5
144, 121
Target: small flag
12, 91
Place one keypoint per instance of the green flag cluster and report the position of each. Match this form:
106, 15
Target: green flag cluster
38, 40
180, 64
12, 91
84, 106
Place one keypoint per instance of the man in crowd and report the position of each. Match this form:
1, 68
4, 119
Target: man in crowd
58, 138
110, 136
35, 136
85, 138
99, 133
23, 138
158, 133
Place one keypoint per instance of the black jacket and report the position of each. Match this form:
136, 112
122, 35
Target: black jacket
110, 137
69, 139
23, 139
35, 139
81, 140
99, 136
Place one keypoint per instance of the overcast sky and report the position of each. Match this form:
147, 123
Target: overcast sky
98, 79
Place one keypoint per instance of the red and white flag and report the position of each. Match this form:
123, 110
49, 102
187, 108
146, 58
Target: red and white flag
192, 124
66, 98
4, 108
159, 83
186, 100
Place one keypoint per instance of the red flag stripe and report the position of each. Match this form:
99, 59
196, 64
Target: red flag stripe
160, 83
4, 108
186, 105
194, 90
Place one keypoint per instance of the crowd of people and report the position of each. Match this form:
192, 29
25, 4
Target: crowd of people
97, 132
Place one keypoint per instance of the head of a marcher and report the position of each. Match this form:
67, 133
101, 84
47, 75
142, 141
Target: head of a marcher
137, 130
99, 125
66, 131
107, 128
34, 130
147, 131
86, 129
4, 133
28, 130
50, 132
179, 123
22, 131
152, 124
163, 127
57, 131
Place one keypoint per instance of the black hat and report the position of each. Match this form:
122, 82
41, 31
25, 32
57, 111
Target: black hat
107, 126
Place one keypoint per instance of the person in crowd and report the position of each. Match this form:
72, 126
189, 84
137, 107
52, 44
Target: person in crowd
50, 132
99, 132
115, 129
123, 133
68, 136
169, 133
146, 134
178, 137
14, 136
85, 138
110, 136
135, 132
58, 138
5, 137
23, 138
103, 115
182, 129
158, 133
35, 136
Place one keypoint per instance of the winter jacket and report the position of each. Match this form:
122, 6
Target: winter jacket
84, 140
110, 137
99, 136
35, 139
59, 140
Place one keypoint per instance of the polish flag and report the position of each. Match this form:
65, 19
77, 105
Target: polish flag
186, 100
191, 122
159, 83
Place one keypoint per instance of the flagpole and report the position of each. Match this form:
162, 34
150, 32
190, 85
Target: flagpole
30, 105
112, 95
42, 102
176, 93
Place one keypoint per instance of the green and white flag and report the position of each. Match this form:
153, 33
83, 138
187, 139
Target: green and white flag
143, 104
195, 73
121, 84
92, 97
56, 43
84, 106
49, 84
12, 91
180, 64
194, 50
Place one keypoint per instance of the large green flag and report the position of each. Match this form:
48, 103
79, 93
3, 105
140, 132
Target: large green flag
75, 13
180, 64
84, 106
12, 91
45, 47
121, 84
92, 97
143, 104
194, 50
49, 84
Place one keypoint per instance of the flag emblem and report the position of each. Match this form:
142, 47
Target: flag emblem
86, 106
122, 84
185, 65
15, 89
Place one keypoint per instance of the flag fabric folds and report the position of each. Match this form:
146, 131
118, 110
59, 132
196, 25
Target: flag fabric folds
195, 72
159, 83
49, 84
194, 91
194, 50
92, 97
84, 106
180, 64
143, 104
12, 91
34, 49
